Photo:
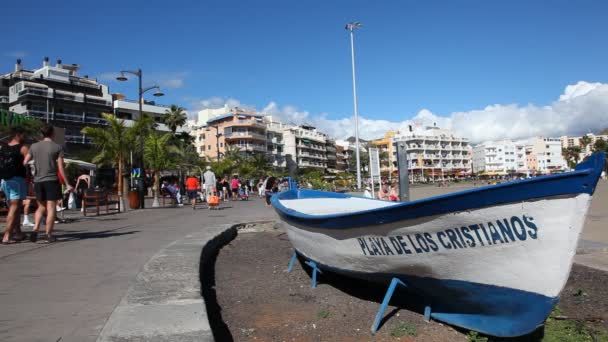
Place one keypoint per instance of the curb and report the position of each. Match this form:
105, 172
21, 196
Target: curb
165, 302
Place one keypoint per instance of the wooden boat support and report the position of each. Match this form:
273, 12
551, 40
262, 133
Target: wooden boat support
492, 259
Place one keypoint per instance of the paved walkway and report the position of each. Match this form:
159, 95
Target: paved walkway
66, 291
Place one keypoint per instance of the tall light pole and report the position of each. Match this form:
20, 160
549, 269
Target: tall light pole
351, 27
142, 90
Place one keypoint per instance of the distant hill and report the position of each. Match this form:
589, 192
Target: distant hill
604, 132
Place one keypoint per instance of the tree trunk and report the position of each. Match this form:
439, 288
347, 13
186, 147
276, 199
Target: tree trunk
155, 203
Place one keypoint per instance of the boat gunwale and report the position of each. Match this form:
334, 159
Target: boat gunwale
589, 169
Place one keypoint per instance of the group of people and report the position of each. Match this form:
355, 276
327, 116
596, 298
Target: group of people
48, 167
388, 191
225, 188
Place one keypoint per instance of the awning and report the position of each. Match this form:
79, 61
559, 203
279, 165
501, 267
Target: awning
81, 164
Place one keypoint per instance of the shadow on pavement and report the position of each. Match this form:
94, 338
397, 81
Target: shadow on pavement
73, 236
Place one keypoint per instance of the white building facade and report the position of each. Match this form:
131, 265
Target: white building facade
499, 157
434, 154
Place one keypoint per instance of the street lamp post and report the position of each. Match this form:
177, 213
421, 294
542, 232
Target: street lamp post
351, 28
141, 92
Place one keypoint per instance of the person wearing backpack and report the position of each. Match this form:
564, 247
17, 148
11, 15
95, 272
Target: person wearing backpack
12, 173
48, 162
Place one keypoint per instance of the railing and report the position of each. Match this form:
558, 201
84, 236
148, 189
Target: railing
242, 122
313, 155
312, 147
145, 103
309, 163
251, 147
77, 139
66, 117
3, 99
35, 92
233, 135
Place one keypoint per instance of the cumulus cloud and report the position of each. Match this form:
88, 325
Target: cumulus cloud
216, 102
582, 108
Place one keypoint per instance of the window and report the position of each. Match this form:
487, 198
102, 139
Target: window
221, 144
203, 136
209, 147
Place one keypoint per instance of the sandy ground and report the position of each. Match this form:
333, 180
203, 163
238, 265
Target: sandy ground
260, 301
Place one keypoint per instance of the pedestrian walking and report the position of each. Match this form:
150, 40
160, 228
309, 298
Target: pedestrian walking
210, 181
234, 186
13, 174
192, 186
48, 162
225, 188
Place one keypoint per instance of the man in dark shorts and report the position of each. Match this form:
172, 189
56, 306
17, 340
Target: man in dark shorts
48, 163
192, 186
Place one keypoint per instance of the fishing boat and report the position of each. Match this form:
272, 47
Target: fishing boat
492, 259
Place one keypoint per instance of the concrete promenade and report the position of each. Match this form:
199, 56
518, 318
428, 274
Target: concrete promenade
68, 290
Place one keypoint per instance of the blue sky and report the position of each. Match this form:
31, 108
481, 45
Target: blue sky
446, 56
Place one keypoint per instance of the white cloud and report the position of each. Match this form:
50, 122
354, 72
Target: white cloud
582, 108
216, 102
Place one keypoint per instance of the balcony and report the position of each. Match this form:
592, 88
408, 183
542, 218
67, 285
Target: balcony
66, 117
62, 95
244, 135
307, 163
311, 146
313, 155
35, 92
3, 99
245, 123
250, 147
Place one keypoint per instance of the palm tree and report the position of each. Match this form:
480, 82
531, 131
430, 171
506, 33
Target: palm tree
175, 118
584, 141
113, 143
159, 156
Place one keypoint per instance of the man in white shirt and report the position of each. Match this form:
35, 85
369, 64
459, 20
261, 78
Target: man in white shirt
209, 182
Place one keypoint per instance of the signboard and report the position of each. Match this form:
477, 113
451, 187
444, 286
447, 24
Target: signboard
374, 167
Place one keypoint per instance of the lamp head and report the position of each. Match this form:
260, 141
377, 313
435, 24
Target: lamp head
122, 77
353, 25
158, 93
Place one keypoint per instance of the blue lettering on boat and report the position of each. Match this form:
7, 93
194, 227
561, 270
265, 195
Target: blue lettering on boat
512, 229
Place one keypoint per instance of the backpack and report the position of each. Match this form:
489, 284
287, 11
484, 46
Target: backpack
7, 162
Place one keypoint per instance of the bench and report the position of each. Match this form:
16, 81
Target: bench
98, 199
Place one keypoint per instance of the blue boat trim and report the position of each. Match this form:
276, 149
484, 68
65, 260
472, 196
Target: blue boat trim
492, 310
582, 180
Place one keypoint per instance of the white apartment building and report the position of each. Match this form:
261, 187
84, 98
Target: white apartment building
275, 142
305, 146
434, 153
499, 158
128, 110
